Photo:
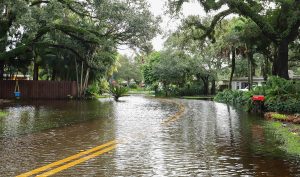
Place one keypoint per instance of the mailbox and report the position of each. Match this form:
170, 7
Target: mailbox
258, 98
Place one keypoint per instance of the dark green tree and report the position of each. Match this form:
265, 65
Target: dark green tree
278, 20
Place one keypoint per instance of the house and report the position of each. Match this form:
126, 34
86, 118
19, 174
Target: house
242, 82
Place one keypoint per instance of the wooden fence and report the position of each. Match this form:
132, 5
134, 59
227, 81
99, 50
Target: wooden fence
38, 89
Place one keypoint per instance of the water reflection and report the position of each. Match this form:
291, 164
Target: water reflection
211, 139
28, 117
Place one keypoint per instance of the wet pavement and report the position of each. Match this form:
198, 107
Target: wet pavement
210, 139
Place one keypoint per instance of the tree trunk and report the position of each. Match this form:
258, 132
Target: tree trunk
4, 28
1, 70
35, 71
213, 87
77, 78
53, 77
86, 80
81, 80
166, 89
232, 67
280, 64
250, 69
205, 85
266, 68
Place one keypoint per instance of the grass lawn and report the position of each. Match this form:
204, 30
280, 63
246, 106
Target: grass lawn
289, 134
198, 97
102, 96
140, 91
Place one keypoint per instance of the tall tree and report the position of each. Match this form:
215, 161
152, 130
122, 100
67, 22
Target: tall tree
278, 20
85, 26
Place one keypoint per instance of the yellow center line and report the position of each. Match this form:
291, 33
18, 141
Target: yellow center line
35, 171
176, 115
107, 147
73, 163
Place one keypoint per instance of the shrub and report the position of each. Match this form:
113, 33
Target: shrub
190, 90
117, 91
103, 86
92, 90
281, 96
233, 97
133, 86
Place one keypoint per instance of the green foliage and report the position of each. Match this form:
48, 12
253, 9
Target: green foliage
118, 91
233, 97
103, 86
92, 90
259, 27
281, 95
128, 70
133, 86
3, 114
147, 68
190, 90
278, 116
172, 68
288, 135
61, 36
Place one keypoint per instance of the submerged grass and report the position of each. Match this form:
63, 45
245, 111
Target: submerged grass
3, 114
139, 91
289, 134
198, 97
102, 96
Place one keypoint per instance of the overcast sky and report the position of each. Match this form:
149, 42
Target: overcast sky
158, 8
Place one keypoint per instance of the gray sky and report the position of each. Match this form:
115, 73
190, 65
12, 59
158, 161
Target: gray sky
158, 8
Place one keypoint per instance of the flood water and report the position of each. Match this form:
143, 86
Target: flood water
210, 139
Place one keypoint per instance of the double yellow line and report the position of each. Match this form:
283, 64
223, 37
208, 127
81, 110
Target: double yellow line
73, 160
65, 163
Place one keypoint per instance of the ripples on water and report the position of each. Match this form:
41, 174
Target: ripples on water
211, 139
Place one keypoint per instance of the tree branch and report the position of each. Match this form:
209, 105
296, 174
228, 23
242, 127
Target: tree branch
245, 10
208, 31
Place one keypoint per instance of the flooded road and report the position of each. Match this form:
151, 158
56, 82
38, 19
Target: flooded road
209, 139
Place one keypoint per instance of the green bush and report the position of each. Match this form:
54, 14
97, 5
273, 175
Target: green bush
92, 90
233, 97
133, 86
174, 90
190, 90
103, 86
281, 96
117, 91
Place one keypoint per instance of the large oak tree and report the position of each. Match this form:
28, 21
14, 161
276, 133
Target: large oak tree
279, 20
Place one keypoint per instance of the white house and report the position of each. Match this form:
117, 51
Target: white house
242, 82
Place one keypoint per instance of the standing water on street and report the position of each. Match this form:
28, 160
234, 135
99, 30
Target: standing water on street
209, 139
